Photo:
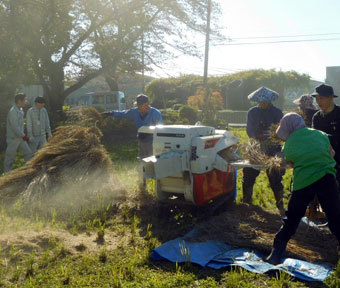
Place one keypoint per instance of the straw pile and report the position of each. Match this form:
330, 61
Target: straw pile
251, 151
73, 155
85, 116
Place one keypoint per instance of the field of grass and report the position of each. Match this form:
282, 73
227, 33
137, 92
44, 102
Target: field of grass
51, 250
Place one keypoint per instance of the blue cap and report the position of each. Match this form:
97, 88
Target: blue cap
142, 99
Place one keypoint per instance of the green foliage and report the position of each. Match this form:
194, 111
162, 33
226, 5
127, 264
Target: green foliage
170, 117
112, 132
97, 37
187, 113
176, 107
333, 281
162, 91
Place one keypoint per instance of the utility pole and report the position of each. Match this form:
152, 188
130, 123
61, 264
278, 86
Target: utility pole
206, 54
143, 79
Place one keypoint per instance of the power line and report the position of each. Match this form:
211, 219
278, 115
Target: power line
276, 42
284, 36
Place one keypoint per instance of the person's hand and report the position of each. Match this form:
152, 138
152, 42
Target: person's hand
25, 138
260, 137
106, 114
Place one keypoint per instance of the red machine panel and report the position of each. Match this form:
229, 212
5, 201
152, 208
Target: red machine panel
212, 184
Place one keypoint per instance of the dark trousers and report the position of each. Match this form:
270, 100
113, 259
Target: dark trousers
329, 197
337, 167
275, 178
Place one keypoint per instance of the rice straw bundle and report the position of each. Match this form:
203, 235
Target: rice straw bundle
272, 133
73, 148
85, 116
252, 151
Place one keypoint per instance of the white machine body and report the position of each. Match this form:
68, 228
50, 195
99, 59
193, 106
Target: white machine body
197, 162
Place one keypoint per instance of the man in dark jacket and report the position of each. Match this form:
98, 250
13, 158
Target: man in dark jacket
327, 119
259, 120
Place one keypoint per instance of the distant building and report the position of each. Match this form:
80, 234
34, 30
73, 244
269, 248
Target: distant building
32, 92
333, 79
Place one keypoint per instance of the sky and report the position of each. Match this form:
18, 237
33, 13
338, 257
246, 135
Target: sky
287, 20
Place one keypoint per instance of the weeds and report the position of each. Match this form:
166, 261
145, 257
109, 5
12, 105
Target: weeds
103, 255
333, 281
29, 265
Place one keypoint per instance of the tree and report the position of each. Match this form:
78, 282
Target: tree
86, 38
181, 88
198, 101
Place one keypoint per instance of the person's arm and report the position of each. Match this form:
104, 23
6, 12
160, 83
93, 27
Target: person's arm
13, 123
29, 124
285, 153
279, 115
158, 118
315, 123
251, 128
125, 114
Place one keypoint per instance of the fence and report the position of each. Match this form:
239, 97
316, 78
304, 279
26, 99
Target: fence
232, 117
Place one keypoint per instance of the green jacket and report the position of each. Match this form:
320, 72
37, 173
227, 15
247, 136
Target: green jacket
308, 149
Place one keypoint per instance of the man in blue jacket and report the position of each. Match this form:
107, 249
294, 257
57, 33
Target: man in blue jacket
143, 115
259, 120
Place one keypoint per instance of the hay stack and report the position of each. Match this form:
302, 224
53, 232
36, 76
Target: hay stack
251, 151
85, 116
72, 155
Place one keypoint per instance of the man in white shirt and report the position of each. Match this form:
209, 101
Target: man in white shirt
38, 124
15, 135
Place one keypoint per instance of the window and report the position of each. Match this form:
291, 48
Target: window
98, 99
110, 99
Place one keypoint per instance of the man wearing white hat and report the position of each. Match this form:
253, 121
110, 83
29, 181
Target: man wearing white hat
259, 120
306, 107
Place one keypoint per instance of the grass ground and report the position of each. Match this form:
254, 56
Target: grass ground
49, 250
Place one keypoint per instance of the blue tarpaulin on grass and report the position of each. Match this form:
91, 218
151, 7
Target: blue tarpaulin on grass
217, 255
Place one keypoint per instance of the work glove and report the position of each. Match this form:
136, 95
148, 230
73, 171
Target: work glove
106, 114
25, 138
260, 137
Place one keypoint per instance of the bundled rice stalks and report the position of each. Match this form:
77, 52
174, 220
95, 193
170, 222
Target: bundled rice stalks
252, 151
272, 134
85, 116
73, 155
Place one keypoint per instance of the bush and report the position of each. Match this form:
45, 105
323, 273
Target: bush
117, 131
176, 107
170, 117
188, 113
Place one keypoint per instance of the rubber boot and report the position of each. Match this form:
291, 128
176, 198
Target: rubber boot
247, 194
279, 248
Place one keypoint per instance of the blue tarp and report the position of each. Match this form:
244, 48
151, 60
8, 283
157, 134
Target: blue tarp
217, 255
